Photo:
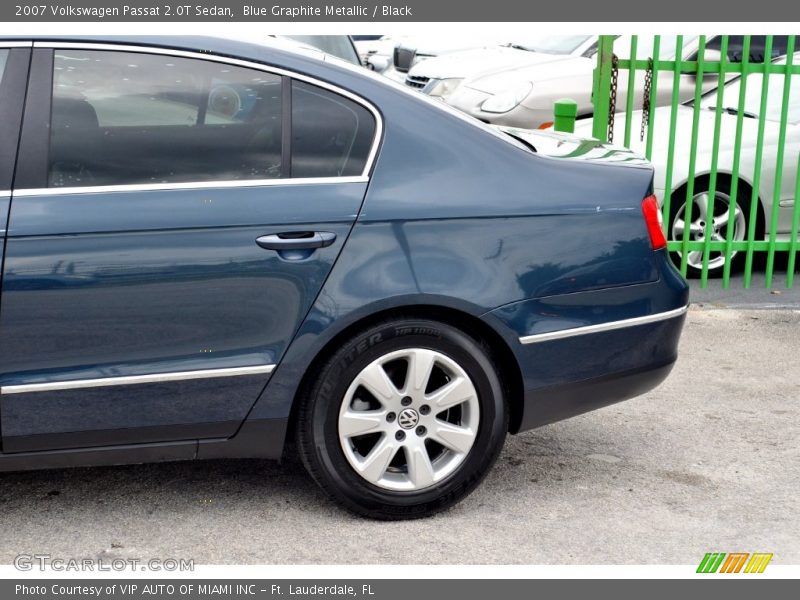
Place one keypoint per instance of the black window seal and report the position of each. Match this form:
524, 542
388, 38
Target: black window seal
34, 147
286, 127
13, 88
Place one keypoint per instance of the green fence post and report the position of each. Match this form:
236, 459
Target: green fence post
776, 196
565, 111
756, 182
631, 87
689, 204
795, 226
712, 182
737, 144
601, 88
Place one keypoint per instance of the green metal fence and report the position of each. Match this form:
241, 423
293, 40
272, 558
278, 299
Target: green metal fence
719, 117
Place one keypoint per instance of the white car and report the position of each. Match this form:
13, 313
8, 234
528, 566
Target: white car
410, 51
376, 55
701, 211
367, 45
441, 75
524, 96
340, 46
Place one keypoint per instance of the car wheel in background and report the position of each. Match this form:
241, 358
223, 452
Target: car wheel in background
701, 212
404, 420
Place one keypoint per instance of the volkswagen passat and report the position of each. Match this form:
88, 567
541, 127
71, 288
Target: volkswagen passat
213, 248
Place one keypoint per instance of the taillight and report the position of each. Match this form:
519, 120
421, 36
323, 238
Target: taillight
654, 220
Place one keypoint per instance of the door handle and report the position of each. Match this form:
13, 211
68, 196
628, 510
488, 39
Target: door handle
296, 240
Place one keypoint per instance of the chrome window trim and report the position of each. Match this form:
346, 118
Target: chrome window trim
365, 174
15, 44
76, 384
192, 185
601, 327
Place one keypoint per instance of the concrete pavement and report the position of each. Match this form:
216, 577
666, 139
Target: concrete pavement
708, 461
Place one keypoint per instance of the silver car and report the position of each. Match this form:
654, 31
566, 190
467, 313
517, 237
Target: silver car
719, 211
524, 97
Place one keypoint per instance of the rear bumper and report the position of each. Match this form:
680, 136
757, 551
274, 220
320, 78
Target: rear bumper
606, 366
581, 351
548, 405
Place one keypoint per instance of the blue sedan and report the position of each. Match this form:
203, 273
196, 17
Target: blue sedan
213, 248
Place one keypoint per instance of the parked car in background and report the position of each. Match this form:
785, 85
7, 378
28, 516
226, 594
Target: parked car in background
389, 284
524, 96
377, 54
411, 50
441, 75
340, 46
702, 210
375, 51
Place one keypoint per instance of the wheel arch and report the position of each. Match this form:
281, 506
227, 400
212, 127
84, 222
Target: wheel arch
504, 358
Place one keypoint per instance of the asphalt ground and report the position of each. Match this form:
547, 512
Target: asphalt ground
709, 461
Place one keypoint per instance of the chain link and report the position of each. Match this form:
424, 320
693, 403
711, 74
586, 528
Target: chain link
612, 101
648, 80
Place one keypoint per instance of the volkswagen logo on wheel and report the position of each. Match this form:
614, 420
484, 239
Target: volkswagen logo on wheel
408, 418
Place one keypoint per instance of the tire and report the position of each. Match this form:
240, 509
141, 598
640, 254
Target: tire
716, 263
346, 435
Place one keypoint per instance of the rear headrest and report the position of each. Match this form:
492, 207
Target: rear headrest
74, 114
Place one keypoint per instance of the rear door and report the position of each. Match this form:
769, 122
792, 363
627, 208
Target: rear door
172, 222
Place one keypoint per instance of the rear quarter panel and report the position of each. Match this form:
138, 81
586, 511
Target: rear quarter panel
458, 217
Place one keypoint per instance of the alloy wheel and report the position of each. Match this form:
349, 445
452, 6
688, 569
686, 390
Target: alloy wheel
409, 419
700, 215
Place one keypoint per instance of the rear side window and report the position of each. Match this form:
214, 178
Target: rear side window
331, 134
121, 118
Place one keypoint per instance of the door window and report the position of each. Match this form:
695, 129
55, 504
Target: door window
331, 135
121, 118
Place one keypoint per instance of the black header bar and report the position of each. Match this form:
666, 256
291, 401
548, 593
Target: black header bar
600, 11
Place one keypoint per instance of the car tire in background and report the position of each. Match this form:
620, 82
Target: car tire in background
699, 216
404, 419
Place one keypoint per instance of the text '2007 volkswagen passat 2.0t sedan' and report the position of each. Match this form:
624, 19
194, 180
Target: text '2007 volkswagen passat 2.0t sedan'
213, 248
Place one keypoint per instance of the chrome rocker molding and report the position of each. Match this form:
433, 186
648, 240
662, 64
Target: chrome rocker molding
134, 379
601, 327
